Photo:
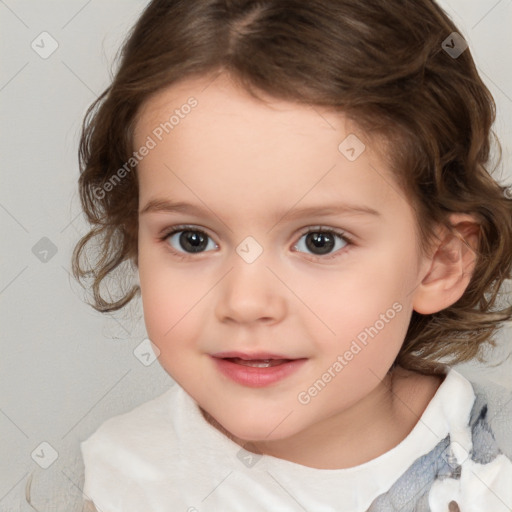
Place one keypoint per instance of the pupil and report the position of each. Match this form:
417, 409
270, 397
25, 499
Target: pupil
320, 242
192, 241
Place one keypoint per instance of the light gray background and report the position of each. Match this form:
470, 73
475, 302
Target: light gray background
64, 367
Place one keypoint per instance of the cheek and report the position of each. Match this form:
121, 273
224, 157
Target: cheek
163, 293
367, 309
167, 316
353, 299
172, 301
166, 302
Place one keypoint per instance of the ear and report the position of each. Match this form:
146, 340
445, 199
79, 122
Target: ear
450, 266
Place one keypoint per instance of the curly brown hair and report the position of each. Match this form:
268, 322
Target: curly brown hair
385, 64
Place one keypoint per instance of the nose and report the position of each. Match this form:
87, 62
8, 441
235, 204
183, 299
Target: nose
250, 293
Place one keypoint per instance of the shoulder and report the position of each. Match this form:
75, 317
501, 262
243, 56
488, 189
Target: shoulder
475, 486
491, 415
471, 464
132, 459
127, 442
154, 410
483, 406
482, 468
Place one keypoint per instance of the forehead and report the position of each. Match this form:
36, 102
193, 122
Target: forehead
238, 148
224, 104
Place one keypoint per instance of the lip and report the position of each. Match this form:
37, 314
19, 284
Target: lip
257, 377
254, 355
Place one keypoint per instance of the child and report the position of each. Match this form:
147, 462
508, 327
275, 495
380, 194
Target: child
301, 187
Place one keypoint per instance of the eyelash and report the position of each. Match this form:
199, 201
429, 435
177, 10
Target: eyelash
313, 229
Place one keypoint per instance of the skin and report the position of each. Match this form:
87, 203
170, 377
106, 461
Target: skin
249, 163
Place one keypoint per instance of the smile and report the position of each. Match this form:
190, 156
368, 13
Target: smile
257, 372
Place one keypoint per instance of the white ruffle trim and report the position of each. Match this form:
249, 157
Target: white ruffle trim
481, 488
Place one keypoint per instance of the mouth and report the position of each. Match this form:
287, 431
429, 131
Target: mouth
257, 369
256, 359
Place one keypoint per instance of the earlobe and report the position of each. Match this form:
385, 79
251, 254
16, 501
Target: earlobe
451, 266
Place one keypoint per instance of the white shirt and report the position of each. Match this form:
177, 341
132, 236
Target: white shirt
163, 456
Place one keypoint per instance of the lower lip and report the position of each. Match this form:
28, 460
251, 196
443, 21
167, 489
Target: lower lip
255, 377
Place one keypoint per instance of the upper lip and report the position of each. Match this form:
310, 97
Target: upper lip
249, 357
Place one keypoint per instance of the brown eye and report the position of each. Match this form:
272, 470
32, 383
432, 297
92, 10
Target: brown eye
189, 241
321, 242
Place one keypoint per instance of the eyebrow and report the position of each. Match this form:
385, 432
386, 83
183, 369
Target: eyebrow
166, 206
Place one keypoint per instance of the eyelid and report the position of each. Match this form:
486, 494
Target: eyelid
326, 229
166, 232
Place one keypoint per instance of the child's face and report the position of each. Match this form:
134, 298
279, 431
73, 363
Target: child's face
343, 309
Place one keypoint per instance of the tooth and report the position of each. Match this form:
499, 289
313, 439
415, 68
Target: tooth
259, 363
